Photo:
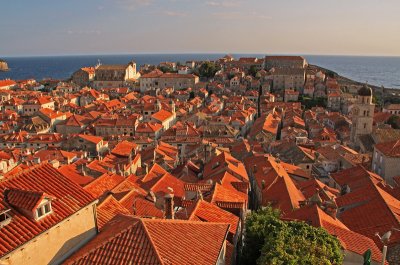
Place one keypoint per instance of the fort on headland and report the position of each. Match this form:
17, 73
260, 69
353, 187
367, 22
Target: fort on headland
3, 66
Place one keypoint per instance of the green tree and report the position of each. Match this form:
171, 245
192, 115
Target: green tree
331, 74
269, 240
394, 121
257, 224
208, 69
166, 69
313, 102
253, 70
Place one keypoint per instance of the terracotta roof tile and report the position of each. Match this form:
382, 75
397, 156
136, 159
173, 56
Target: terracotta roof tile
207, 212
71, 172
390, 149
70, 198
103, 184
24, 199
107, 209
129, 240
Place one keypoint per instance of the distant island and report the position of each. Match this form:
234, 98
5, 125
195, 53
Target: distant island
3, 66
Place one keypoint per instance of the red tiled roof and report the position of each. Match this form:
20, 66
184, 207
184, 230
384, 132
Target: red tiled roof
207, 212
91, 138
162, 115
225, 162
277, 57
70, 198
7, 82
391, 149
124, 148
108, 209
71, 171
266, 124
138, 205
355, 177
160, 186
103, 184
381, 117
222, 194
370, 207
293, 170
24, 199
148, 127
314, 186
277, 187
129, 183
129, 240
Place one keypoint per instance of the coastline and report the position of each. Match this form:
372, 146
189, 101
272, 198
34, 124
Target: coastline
377, 70
345, 81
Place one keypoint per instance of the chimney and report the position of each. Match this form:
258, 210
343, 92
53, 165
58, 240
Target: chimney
169, 206
332, 211
151, 197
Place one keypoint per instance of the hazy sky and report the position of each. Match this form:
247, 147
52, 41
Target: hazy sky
55, 27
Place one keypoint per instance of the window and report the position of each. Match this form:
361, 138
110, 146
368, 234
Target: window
40, 212
365, 125
43, 210
5, 218
47, 208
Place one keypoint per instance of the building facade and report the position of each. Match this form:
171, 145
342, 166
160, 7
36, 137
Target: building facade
362, 115
114, 75
284, 62
159, 80
386, 160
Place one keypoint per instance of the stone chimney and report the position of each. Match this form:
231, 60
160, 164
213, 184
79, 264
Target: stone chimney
169, 206
332, 211
263, 184
331, 208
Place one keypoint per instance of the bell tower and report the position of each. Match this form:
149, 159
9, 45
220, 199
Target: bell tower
362, 115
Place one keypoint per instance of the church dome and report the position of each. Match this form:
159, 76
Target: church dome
365, 91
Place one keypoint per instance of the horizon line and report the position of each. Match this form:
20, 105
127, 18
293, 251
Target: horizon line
193, 53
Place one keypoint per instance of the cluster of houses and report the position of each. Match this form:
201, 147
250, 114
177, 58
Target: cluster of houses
126, 166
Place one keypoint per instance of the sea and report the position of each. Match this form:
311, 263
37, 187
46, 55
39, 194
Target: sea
379, 71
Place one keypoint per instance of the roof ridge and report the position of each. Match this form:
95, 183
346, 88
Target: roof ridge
381, 197
126, 196
396, 144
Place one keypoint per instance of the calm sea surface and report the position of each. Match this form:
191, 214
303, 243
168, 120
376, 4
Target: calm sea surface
376, 70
